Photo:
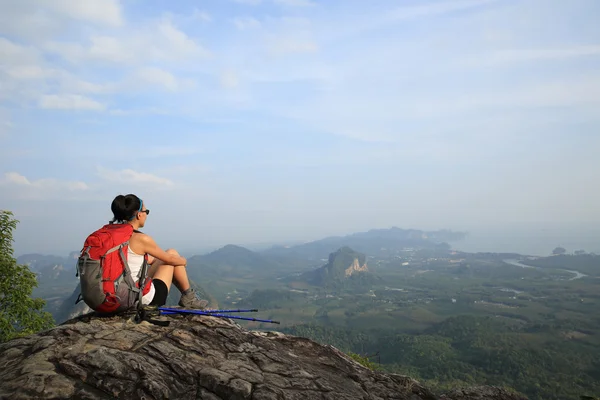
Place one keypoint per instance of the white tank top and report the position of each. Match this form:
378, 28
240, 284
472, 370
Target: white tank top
135, 262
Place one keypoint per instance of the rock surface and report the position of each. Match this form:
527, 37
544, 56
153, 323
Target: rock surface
196, 357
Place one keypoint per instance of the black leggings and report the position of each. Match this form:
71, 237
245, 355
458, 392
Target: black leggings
160, 293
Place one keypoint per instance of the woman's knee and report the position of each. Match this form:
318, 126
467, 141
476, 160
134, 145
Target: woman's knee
172, 251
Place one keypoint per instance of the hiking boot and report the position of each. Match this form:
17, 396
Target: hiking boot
189, 300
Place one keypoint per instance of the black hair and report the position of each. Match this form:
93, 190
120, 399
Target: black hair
125, 207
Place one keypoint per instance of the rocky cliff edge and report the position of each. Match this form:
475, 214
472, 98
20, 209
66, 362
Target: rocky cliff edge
196, 357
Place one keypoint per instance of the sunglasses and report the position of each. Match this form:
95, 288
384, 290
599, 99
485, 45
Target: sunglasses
145, 211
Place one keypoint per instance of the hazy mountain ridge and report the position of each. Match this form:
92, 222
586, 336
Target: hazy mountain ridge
234, 256
38, 262
375, 242
57, 280
236, 260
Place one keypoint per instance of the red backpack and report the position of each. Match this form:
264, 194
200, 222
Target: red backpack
104, 275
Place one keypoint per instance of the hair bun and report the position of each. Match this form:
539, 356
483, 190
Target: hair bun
125, 207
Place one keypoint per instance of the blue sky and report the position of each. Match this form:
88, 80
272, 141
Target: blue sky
244, 121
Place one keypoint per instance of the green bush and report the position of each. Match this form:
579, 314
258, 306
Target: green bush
20, 314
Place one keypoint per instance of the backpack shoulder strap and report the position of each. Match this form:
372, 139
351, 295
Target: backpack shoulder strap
127, 273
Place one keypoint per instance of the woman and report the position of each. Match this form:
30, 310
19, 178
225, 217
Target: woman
166, 267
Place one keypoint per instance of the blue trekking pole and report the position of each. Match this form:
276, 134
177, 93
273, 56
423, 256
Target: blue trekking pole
208, 311
166, 311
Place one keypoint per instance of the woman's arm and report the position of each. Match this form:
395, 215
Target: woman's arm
156, 252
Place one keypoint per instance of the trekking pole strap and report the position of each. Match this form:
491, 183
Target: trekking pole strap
143, 315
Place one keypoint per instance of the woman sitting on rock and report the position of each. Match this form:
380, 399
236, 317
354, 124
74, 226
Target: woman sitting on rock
165, 267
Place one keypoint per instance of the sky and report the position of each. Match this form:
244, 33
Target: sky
256, 121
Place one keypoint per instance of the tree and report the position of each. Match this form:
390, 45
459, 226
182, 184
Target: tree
559, 250
20, 314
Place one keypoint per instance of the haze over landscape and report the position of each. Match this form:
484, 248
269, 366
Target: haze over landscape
260, 121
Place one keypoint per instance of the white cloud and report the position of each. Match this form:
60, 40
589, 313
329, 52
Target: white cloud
15, 54
566, 92
288, 45
249, 2
96, 11
39, 19
131, 177
172, 152
145, 56
69, 102
63, 79
243, 23
29, 72
26, 76
186, 169
295, 3
229, 79
163, 42
178, 43
139, 111
188, 19
17, 187
14, 177
20, 187
435, 8
5, 123
513, 56
199, 15
69, 83
351, 26
409, 117
157, 76
290, 22
25, 67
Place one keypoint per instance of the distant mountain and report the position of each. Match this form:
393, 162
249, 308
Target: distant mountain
375, 242
236, 257
345, 268
231, 260
68, 309
56, 273
38, 262
55, 277
51, 271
